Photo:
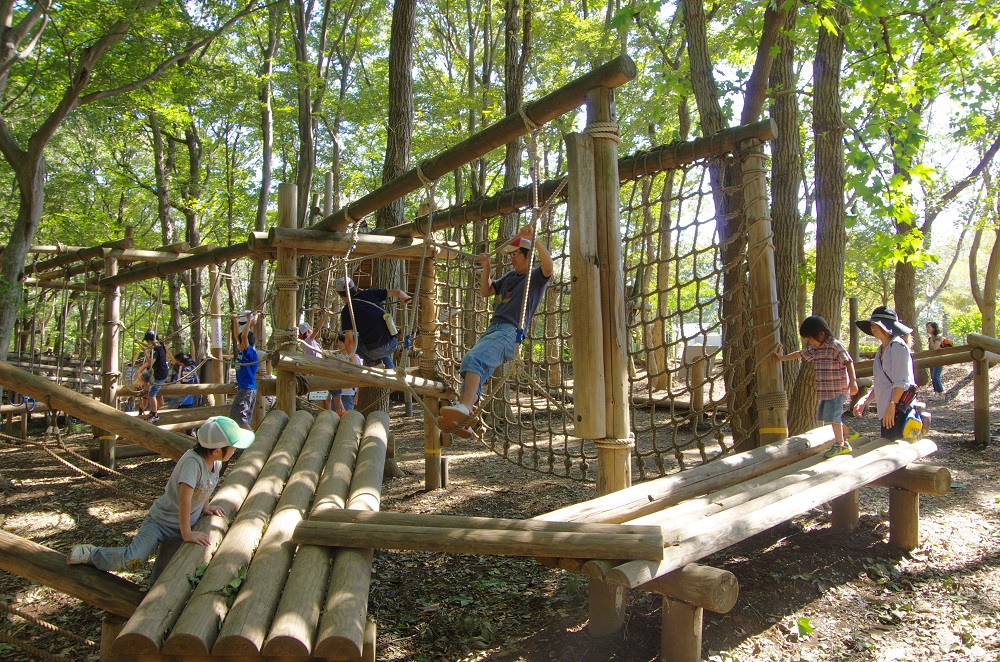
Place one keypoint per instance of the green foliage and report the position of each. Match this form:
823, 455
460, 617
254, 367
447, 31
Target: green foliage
195, 579
804, 627
965, 323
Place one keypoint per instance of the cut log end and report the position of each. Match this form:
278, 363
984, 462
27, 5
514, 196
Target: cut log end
134, 644
186, 645
286, 646
338, 648
237, 645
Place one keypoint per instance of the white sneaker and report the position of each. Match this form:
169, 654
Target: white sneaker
80, 554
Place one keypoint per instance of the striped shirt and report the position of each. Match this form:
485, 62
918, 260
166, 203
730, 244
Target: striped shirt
830, 366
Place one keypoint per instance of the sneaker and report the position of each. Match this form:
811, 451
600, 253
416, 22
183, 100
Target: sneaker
454, 416
153, 418
854, 436
80, 554
464, 433
838, 449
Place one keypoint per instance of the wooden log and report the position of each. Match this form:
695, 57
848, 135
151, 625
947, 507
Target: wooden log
919, 478
611, 75
712, 533
162, 269
365, 375
198, 626
772, 423
981, 403
342, 629
110, 373
286, 288
845, 512
680, 631
585, 288
186, 414
132, 451
246, 625
96, 413
654, 495
20, 409
904, 519
925, 359
83, 254
630, 168
330, 513
293, 630
61, 285
700, 585
320, 242
47, 567
163, 604
498, 541
111, 627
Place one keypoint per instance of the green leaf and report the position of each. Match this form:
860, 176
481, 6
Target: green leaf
804, 626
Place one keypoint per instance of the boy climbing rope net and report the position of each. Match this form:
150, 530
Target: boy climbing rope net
512, 315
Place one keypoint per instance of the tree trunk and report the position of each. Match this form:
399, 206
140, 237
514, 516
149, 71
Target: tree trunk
397, 155
789, 235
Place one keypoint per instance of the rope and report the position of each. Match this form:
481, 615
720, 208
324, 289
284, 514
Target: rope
46, 625
8, 638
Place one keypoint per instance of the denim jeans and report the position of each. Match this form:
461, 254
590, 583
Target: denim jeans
936, 378
832, 410
150, 534
492, 350
375, 355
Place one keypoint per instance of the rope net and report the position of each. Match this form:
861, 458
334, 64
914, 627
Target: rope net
685, 284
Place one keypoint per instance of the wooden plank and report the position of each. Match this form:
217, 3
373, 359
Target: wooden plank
246, 625
342, 629
47, 567
654, 495
500, 542
198, 625
163, 604
692, 542
96, 413
293, 630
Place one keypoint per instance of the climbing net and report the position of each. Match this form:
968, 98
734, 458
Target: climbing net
685, 283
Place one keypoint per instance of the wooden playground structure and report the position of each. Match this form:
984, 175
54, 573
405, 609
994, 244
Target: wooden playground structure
302, 503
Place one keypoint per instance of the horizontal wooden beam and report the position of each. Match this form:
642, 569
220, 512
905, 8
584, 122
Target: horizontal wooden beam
925, 359
504, 542
611, 75
79, 255
60, 285
700, 585
918, 478
214, 256
96, 413
364, 375
47, 567
630, 168
319, 242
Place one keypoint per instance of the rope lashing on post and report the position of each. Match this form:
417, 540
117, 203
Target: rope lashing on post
606, 130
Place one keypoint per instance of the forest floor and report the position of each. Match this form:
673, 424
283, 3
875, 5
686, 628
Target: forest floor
807, 593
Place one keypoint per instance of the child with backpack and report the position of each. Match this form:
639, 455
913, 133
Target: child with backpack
833, 368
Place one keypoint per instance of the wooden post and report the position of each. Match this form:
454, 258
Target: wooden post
853, 317
426, 343
111, 627
697, 376
680, 631
109, 360
772, 401
981, 396
846, 513
614, 451
218, 343
585, 290
286, 284
904, 519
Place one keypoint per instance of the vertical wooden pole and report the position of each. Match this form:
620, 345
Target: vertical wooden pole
846, 513
111, 627
680, 631
109, 360
426, 343
614, 451
698, 376
853, 315
585, 291
981, 396
772, 401
287, 286
218, 345
904, 519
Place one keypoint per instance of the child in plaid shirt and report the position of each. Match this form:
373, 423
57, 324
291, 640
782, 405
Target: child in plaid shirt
835, 378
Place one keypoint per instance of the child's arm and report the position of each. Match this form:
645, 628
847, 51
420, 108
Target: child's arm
485, 284
400, 294
852, 384
786, 357
184, 515
318, 327
544, 259
338, 406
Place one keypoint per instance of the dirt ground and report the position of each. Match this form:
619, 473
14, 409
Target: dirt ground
806, 592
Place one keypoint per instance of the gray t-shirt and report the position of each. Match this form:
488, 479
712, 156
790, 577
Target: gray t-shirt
509, 289
190, 470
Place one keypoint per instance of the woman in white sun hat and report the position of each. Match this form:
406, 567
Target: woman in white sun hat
172, 516
892, 372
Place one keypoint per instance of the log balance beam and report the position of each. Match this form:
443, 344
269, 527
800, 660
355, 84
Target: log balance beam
716, 505
364, 375
301, 601
96, 413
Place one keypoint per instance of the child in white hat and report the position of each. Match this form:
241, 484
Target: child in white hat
172, 515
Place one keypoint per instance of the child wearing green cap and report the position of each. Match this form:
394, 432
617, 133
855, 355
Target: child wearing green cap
178, 509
